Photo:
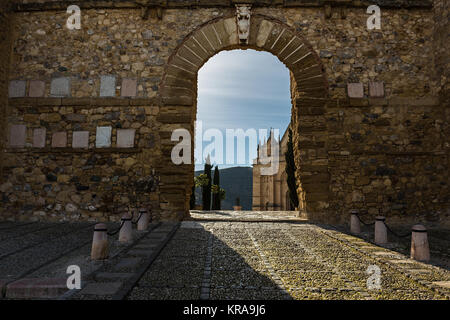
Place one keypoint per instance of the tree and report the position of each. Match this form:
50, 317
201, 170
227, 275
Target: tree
290, 171
192, 200
206, 189
216, 192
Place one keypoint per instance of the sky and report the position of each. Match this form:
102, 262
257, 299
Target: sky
241, 89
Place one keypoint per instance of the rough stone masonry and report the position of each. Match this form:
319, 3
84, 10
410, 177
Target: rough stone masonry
87, 113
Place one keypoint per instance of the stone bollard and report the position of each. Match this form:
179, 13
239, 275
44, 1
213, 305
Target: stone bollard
150, 214
355, 224
143, 220
99, 249
126, 232
380, 230
420, 249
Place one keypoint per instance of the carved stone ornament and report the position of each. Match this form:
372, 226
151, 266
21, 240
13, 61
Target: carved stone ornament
243, 22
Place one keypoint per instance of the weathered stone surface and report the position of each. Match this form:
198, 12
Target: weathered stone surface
39, 137
103, 137
37, 89
36, 288
125, 138
108, 86
355, 90
80, 139
129, 87
59, 140
351, 137
75, 117
376, 89
17, 135
60, 87
101, 288
17, 88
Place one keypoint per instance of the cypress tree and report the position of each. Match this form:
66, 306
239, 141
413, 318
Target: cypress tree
206, 190
216, 195
192, 200
290, 170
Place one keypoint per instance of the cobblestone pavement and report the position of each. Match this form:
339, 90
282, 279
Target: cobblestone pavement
261, 260
228, 215
274, 258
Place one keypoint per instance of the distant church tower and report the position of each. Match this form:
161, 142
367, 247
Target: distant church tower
270, 192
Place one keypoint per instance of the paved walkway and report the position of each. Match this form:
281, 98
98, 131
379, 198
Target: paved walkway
211, 260
243, 216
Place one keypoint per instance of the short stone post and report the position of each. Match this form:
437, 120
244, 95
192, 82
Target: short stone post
126, 232
99, 249
355, 225
150, 214
142, 224
380, 230
420, 249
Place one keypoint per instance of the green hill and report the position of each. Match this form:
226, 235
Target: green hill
237, 182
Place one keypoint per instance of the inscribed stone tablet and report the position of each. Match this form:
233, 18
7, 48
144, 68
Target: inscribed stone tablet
355, 90
17, 135
37, 89
80, 139
17, 88
103, 137
60, 87
129, 87
59, 140
125, 138
107, 86
39, 137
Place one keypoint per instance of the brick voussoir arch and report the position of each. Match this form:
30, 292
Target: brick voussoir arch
178, 89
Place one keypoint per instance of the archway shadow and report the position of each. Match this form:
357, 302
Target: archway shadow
197, 264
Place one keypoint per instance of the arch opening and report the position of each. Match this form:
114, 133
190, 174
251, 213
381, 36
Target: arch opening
309, 89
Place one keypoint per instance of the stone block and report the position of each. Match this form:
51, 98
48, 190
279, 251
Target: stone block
60, 87
107, 86
102, 289
39, 137
127, 263
376, 89
140, 253
80, 139
17, 88
37, 288
76, 117
37, 89
443, 284
59, 140
17, 135
111, 276
355, 90
103, 137
125, 138
129, 87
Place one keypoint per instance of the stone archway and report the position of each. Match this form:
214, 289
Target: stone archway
309, 91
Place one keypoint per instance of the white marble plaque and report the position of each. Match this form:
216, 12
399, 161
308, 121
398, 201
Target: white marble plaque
103, 137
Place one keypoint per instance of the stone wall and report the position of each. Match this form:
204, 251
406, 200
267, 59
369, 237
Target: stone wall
374, 138
5, 47
442, 47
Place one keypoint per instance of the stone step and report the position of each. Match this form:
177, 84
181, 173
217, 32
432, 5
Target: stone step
127, 263
113, 276
140, 252
36, 288
101, 288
